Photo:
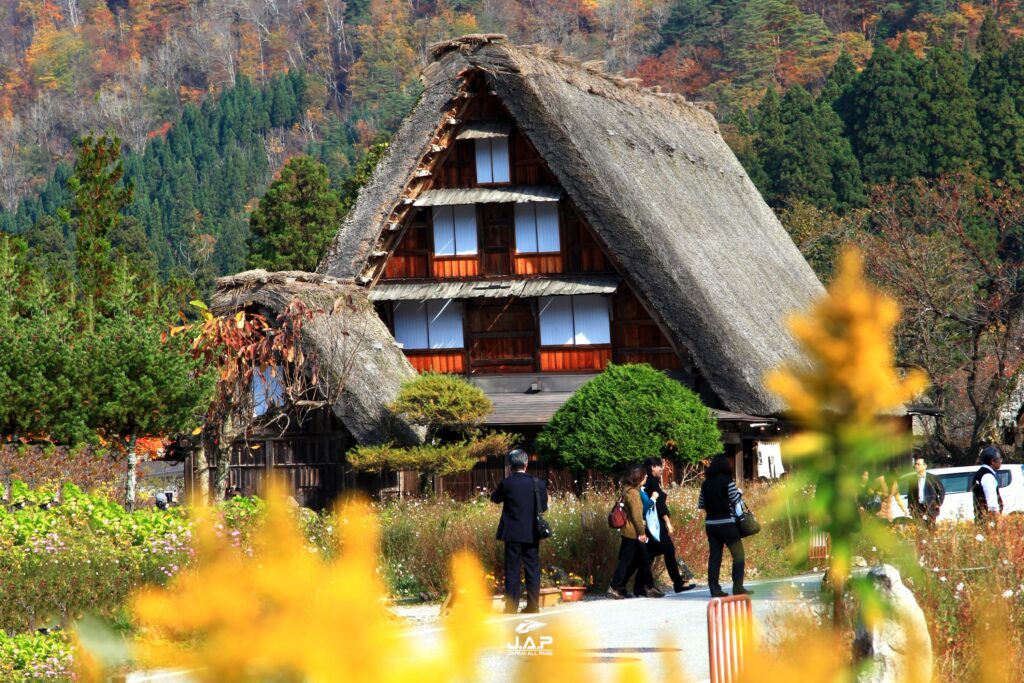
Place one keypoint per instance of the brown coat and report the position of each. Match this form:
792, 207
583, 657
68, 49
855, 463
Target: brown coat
634, 513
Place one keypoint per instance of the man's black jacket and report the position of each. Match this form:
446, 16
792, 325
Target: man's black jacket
519, 508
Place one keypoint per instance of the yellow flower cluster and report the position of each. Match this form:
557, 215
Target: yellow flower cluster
847, 339
287, 615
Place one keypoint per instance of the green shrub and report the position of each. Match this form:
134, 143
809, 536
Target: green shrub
626, 414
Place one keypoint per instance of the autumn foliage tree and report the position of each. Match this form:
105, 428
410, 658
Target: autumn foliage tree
951, 251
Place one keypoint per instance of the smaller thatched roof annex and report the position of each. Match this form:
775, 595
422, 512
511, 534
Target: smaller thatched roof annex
356, 354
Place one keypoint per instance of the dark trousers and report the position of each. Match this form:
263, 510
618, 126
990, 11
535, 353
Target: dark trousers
720, 536
633, 557
667, 547
528, 554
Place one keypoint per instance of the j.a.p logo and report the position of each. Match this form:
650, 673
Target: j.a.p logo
528, 642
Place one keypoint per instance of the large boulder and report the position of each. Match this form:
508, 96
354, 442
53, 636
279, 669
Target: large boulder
895, 647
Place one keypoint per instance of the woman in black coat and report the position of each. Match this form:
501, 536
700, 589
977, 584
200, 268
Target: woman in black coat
718, 499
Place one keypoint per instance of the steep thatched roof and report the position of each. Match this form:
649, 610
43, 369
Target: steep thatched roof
659, 187
358, 360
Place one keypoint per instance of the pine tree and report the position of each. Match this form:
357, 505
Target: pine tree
886, 117
952, 137
296, 219
99, 199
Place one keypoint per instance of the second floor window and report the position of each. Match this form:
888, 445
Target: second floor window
430, 324
492, 161
574, 320
537, 227
455, 230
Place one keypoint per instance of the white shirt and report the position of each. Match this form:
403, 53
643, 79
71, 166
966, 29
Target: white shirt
920, 489
990, 485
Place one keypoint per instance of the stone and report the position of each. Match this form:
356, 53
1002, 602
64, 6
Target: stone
897, 647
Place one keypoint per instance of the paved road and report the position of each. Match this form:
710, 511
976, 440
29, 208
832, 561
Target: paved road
622, 630
615, 631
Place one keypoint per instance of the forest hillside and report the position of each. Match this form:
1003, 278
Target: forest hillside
897, 125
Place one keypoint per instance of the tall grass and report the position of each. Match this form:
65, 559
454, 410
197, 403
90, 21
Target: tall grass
420, 536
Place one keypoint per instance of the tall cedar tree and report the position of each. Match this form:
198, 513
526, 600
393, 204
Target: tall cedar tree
1001, 123
804, 154
886, 119
953, 137
296, 219
844, 71
98, 200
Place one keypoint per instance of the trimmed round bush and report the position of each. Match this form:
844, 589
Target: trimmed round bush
626, 414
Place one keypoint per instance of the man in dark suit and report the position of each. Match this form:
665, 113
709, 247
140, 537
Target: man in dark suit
518, 529
925, 495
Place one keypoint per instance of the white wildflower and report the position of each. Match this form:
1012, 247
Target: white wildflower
979, 537
1008, 594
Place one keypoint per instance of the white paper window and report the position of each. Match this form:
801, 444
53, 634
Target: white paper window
433, 324
590, 317
537, 227
444, 324
492, 161
267, 391
556, 328
574, 320
455, 230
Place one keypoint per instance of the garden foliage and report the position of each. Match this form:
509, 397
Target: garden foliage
82, 554
626, 414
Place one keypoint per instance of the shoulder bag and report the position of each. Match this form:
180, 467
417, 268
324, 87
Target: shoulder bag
543, 528
746, 522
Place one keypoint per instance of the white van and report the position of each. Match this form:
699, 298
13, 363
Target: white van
959, 502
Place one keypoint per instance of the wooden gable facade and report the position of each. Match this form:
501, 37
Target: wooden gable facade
488, 216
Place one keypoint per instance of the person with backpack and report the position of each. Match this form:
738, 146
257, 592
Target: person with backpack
719, 499
523, 498
633, 548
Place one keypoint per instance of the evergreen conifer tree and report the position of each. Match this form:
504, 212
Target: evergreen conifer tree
296, 219
803, 153
1001, 124
952, 138
885, 117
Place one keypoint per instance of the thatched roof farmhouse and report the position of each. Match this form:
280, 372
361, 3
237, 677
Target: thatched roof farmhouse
647, 173
535, 219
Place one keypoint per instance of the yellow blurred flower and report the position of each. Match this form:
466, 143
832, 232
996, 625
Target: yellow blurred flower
288, 615
846, 338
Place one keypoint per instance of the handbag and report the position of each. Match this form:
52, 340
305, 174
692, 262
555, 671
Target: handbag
543, 528
747, 523
617, 517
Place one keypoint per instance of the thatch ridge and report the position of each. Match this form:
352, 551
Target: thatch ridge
354, 349
653, 178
